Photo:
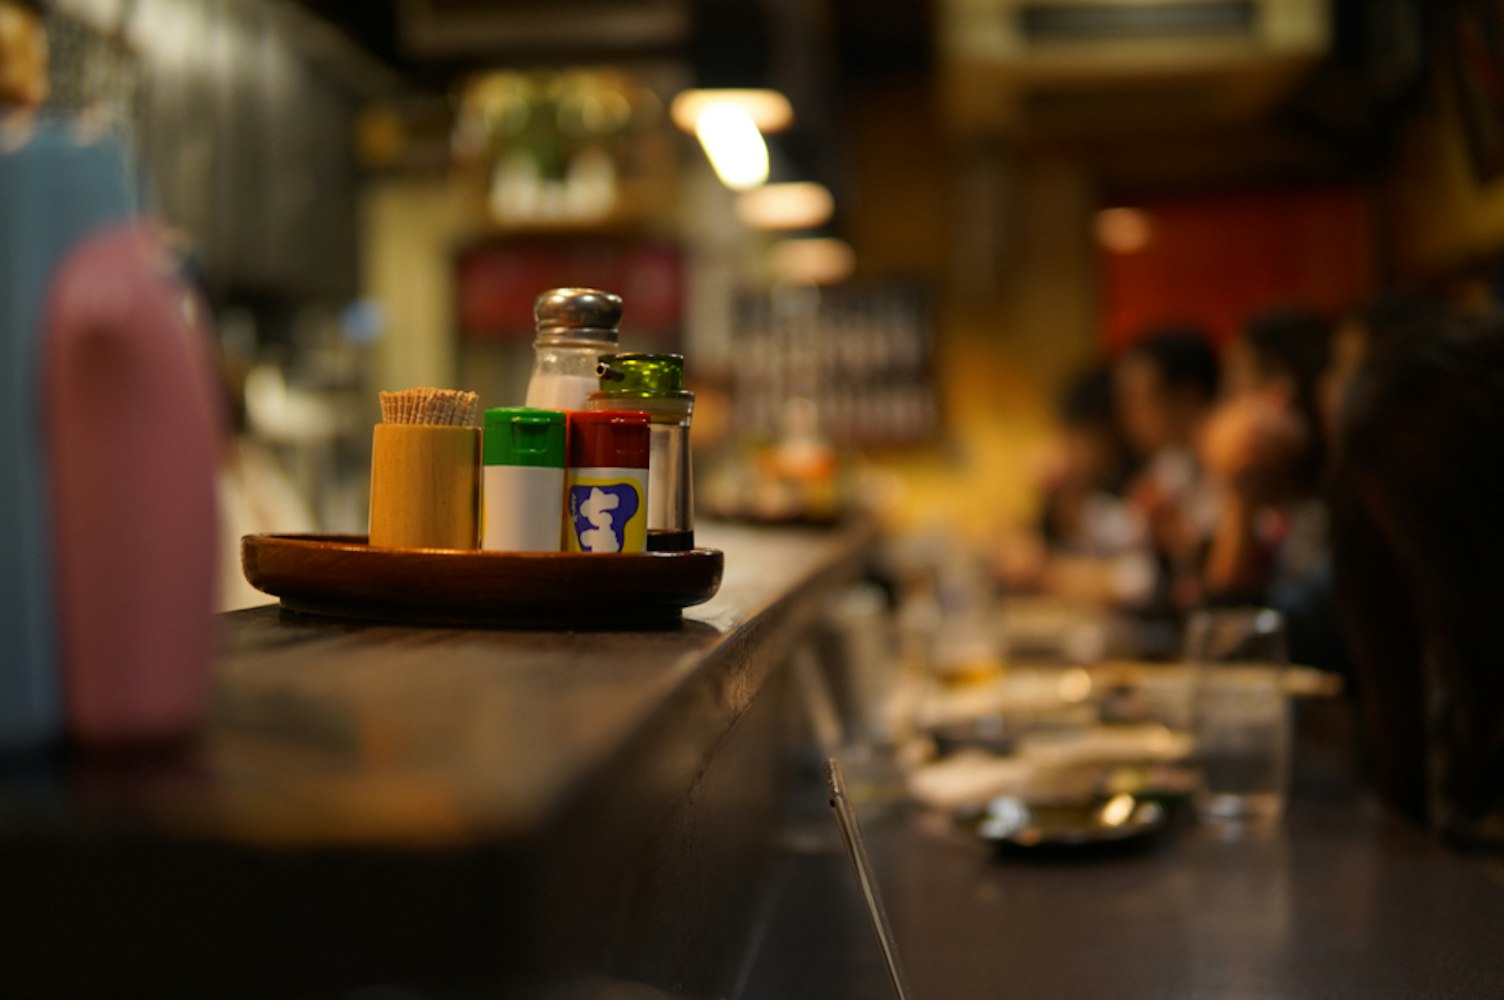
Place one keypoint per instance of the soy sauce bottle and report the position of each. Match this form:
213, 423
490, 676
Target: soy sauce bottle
654, 384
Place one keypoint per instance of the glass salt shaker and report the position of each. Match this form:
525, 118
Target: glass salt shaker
654, 384
575, 327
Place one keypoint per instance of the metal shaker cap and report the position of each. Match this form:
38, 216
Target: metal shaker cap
585, 314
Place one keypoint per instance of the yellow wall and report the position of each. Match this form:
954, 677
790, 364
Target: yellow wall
1002, 355
408, 229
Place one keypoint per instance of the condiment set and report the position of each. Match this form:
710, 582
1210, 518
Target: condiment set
598, 460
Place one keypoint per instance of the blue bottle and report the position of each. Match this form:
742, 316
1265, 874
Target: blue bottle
57, 186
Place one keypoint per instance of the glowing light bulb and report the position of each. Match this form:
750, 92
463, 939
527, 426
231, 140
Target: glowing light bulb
769, 109
1124, 230
812, 261
734, 145
796, 205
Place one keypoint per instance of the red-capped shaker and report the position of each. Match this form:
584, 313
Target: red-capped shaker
606, 482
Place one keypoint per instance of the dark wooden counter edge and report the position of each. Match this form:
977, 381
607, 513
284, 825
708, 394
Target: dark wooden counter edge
713, 696
658, 790
718, 672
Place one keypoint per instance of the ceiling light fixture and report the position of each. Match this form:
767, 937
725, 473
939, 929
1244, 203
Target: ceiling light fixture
768, 109
734, 145
1124, 230
812, 261
794, 205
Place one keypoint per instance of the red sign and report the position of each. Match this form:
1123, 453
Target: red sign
499, 279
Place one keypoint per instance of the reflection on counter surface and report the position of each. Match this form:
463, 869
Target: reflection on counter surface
1095, 421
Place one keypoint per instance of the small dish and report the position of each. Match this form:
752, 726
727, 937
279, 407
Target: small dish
1013, 821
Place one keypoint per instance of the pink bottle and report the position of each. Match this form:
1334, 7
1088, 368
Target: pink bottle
133, 434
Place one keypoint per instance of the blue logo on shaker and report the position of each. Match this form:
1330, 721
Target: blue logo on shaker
600, 515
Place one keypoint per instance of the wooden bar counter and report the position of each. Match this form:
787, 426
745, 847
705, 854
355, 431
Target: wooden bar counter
1341, 900
455, 812
395, 813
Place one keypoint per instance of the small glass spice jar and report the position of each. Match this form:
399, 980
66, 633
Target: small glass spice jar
654, 384
576, 326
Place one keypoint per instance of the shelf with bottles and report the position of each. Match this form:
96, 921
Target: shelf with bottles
573, 151
862, 355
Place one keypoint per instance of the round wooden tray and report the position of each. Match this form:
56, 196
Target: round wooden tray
344, 577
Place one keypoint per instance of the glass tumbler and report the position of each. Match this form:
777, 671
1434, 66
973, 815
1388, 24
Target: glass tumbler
1240, 712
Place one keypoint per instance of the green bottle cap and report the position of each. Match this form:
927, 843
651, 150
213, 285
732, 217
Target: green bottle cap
642, 374
521, 435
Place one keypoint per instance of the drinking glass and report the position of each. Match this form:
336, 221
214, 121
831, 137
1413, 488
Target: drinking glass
1241, 715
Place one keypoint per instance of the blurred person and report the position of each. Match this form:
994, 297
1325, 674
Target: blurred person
1264, 446
1276, 366
1082, 511
30, 693
1264, 450
255, 494
1165, 386
1418, 543
107, 522
1089, 545
1368, 328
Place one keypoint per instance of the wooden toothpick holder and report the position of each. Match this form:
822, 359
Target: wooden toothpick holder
425, 486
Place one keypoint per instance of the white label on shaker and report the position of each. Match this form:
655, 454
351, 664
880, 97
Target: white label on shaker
522, 508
